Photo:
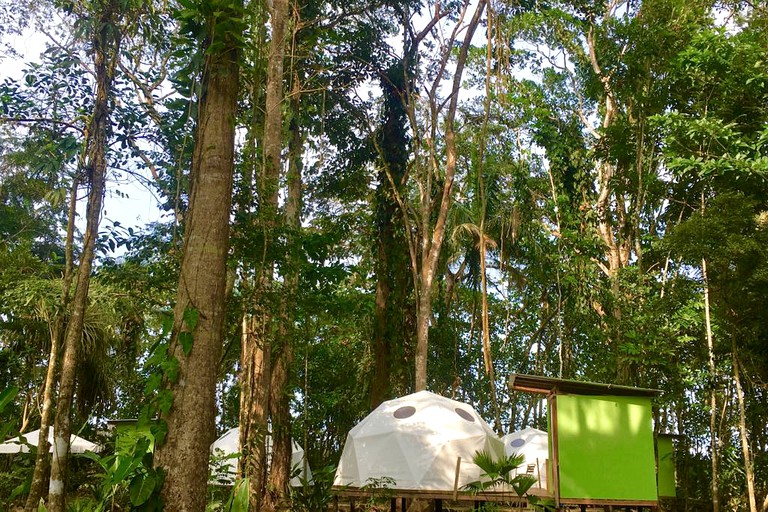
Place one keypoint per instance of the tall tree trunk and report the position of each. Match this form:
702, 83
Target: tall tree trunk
255, 377
257, 366
281, 388
713, 440
390, 327
613, 221
106, 48
200, 302
279, 409
487, 355
40, 475
749, 470
483, 239
432, 239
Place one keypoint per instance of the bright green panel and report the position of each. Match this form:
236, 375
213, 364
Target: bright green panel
605, 445
665, 452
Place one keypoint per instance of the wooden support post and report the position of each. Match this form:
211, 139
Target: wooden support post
552, 401
456, 479
351, 504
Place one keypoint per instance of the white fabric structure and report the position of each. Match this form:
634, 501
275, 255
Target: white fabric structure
228, 445
415, 441
533, 444
76, 444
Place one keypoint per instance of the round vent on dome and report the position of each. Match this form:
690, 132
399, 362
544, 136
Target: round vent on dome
464, 414
404, 412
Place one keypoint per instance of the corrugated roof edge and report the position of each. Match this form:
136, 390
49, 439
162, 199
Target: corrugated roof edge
546, 385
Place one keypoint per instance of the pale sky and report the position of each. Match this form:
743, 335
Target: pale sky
135, 210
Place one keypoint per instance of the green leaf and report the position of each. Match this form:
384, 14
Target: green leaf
191, 317
521, 484
186, 339
124, 467
141, 488
238, 500
164, 401
7, 396
104, 462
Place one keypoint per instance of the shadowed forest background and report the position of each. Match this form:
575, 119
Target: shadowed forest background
360, 199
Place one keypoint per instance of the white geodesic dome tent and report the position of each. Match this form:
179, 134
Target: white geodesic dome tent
533, 444
415, 441
76, 444
226, 448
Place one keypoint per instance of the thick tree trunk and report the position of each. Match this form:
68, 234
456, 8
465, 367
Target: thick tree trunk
38, 487
390, 328
201, 291
106, 47
381, 382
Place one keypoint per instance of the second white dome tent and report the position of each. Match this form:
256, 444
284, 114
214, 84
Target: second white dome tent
413, 442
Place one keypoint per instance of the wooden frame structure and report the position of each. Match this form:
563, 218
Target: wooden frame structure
552, 388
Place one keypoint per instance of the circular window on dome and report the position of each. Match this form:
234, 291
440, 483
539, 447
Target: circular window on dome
517, 443
404, 412
464, 414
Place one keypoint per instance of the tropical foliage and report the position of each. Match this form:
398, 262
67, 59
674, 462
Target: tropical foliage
399, 195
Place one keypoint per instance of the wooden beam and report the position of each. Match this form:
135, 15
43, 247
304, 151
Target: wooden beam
552, 400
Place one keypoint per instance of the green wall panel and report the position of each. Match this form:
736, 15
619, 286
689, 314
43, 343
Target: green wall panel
606, 447
665, 452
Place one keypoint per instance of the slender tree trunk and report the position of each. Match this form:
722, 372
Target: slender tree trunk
200, 303
255, 377
281, 389
279, 408
255, 364
106, 47
41, 473
431, 246
487, 355
713, 440
749, 470
259, 352
273, 120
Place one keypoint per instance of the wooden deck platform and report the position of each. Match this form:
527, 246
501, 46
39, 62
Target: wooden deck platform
355, 499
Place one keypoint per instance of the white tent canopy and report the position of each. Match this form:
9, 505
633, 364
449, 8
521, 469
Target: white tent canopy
416, 440
533, 444
228, 446
76, 444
